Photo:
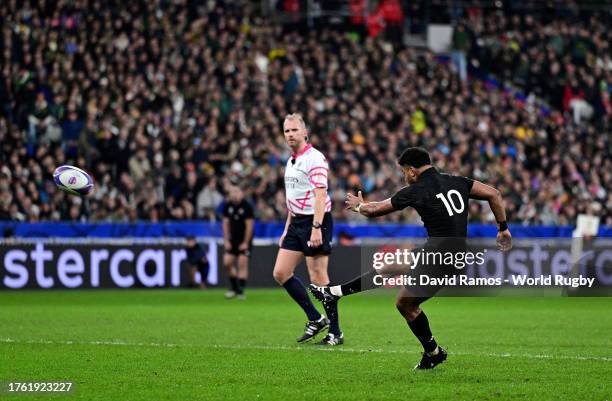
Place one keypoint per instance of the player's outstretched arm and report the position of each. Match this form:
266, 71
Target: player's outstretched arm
482, 191
368, 209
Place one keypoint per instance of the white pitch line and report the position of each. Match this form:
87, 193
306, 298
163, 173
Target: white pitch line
297, 348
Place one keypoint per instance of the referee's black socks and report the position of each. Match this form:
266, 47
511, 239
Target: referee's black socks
420, 328
296, 289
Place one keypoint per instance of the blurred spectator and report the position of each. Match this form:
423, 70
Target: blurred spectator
209, 200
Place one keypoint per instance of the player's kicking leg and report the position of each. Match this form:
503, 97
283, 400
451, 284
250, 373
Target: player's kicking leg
330, 294
317, 269
286, 261
409, 307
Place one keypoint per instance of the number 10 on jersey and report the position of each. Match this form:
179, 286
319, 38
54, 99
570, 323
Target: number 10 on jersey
449, 201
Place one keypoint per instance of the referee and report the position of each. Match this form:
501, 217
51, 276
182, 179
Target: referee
238, 221
308, 230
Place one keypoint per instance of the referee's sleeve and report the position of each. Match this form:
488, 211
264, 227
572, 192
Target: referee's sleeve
402, 198
317, 172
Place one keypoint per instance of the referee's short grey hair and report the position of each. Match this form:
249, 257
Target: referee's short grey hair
298, 117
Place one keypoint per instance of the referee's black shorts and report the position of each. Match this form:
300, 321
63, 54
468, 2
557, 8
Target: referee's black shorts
298, 235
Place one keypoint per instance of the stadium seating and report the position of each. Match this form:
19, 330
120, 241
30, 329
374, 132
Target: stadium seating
165, 104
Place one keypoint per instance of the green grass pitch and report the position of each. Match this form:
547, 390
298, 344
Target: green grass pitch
192, 345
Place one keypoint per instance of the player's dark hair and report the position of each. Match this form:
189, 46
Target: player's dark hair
414, 157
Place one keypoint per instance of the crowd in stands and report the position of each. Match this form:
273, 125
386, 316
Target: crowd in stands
565, 60
166, 103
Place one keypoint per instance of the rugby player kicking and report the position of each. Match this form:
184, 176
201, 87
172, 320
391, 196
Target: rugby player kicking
308, 231
441, 200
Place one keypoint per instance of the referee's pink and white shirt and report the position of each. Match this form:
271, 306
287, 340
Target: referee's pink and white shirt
305, 171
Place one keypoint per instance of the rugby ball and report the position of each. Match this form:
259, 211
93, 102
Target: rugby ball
73, 180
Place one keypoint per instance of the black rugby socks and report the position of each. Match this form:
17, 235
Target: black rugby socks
420, 328
296, 289
362, 283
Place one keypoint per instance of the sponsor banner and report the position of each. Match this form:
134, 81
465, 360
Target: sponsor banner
125, 263
45, 265
580, 267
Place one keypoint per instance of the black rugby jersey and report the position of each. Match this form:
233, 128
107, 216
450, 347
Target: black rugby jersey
441, 200
238, 214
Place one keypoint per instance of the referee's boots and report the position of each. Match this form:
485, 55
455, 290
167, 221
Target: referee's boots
313, 328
